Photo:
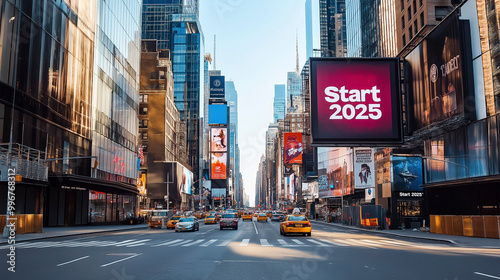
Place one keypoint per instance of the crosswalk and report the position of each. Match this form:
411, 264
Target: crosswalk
284, 242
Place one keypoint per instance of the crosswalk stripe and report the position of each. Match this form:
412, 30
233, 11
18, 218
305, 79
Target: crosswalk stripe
206, 244
167, 243
333, 243
224, 243
282, 242
358, 243
131, 243
397, 243
319, 243
123, 242
181, 243
264, 243
194, 243
244, 242
298, 242
373, 242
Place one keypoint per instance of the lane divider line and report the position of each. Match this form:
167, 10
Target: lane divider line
75, 260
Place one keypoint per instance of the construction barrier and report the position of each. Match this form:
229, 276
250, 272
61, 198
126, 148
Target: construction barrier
474, 226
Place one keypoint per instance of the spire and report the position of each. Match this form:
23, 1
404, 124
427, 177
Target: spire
297, 50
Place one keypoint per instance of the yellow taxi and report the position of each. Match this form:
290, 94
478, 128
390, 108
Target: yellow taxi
295, 224
210, 219
269, 214
171, 223
246, 216
262, 217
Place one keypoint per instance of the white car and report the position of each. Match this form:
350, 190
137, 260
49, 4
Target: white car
187, 224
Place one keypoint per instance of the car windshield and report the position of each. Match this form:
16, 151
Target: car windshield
230, 216
262, 214
297, 218
210, 217
175, 218
183, 220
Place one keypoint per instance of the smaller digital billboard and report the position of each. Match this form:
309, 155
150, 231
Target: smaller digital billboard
187, 180
217, 114
363, 168
217, 87
219, 164
407, 173
293, 147
141, 184
355, 101
218, 141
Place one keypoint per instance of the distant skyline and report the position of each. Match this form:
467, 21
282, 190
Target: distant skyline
255, 48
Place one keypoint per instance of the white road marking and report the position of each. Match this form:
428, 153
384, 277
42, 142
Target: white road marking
283, 242
319, 243
256, 231
194, 243
359, 243
208, 231
120, 260
167, 243
181, 243
298, 242
482, 274
244, 242
131, 243
224, 243
208, 243
264, 243
75, 260
333, 243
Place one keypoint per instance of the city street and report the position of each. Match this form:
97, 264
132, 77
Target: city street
255, 251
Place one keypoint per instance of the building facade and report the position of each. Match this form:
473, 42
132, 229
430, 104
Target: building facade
279, 103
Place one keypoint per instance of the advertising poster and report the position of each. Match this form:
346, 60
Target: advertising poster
141, 184
364, 176
291, 187
219, 139
369, 194
187, 180
355, 101
293, 147
219, 163
217, 87
438, 83
407, 174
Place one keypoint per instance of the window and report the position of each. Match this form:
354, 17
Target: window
422, 23
404, 40
143, 123
414, 6
143, 110
410, 31
143, 98
143, 135
403, 22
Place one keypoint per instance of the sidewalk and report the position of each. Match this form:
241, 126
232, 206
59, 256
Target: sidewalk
409, 233
54, 232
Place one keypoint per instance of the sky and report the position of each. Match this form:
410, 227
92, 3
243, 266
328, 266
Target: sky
255, 48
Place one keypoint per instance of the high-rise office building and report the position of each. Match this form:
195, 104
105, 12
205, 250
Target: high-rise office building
333, 37
232, 102
73, 94
293, 90
309, 29
279, 103
175, 24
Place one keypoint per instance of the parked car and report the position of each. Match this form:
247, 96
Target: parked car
187, 224
229, 220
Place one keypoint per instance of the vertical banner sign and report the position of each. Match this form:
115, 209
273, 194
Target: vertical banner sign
141, 184
217, 87
363, 168
355, 101
293, 148
219, 163
291, 190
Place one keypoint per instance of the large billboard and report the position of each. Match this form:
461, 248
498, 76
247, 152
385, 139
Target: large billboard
218, 141
219, 164
364, 168
217, 87
407, 174
355, 101
293, 147
438, 75
217, 114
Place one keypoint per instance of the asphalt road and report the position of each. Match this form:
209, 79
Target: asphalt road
255, 251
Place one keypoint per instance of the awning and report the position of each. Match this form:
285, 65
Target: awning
96, 184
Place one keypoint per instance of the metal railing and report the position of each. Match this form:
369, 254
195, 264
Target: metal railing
28, 162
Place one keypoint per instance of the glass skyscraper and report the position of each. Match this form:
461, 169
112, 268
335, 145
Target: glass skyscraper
279, 103
175, 24
309, 29
333, 37
232, 102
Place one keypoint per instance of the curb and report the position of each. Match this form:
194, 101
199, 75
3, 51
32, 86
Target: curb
71, 234
389, 233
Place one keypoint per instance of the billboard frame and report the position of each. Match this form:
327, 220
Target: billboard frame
396, 106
